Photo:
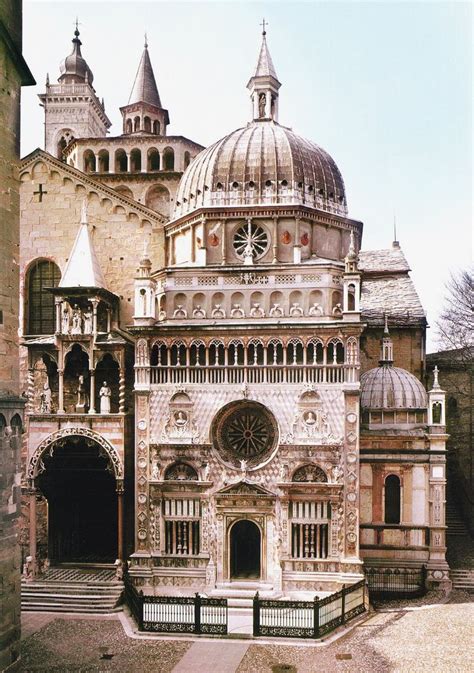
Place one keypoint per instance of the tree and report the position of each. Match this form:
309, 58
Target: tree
456, 323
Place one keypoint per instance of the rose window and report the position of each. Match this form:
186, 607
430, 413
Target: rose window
250, 240
245, 431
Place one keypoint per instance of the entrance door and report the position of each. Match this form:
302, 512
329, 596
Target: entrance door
82, 504
245, 545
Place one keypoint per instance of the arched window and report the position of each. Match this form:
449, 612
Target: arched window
41, 275
136, 124
392, 499
187, 159
16, 424
168, 159
147, 124
129, 126
156, 128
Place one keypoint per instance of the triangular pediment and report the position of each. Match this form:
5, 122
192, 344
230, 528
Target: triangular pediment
245, 487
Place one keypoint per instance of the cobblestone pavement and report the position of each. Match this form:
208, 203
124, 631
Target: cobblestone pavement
402, 638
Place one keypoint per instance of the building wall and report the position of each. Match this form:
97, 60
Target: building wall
13, 73
408, 349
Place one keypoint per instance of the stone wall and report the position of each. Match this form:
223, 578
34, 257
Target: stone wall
408, 349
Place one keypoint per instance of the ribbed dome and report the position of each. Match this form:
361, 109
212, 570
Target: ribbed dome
75, 66
388, 387
262, 163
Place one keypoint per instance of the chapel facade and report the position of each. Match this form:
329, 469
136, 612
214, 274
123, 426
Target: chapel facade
223, 388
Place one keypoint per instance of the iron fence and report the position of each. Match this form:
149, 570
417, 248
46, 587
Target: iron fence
396, 582
308, 619
177, 614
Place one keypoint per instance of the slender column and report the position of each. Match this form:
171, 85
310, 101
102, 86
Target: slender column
122, 391
128, 162
61, 391
95, 303
268, 106
120, 550
297, 245
275, 240
92, 392
31, 389
57, 305
33, 531
224, 242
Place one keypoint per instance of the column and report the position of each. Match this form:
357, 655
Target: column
57, 306
122, 391
268, 105
120, 545
92, 392
33, 531
297, 244
275, 240
109, 319
95, 303
128, 162
224, 242
61, 391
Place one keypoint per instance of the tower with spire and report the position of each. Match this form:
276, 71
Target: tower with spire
71, 107
264, 84
144, 113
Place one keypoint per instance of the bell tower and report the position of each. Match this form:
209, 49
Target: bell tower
264, 85
71, 107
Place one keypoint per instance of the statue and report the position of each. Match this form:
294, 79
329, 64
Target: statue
66, 318
105, 394
180, 312
337, 310
76, 321
257, 311
296, 311
218, 312
243, 468
276, 311
315, 309
262, 102
180, 418
199, 312
87, 321
237, 311
45, 399
81, 395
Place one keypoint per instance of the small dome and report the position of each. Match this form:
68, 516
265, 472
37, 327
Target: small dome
74, 67
263, 163
388, 387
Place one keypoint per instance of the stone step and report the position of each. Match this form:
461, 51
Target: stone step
72, 590
67, 607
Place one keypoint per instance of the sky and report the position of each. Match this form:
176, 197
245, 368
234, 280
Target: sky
384, 87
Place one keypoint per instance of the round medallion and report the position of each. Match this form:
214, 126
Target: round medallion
141, 534
351, 457
142, 424
437, 574
245, 431
351, 417
250, 240
142, 462
351, 497
142, 498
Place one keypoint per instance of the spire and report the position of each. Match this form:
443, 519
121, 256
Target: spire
264, 84
83, 269
395, 242
74, 67
386, 355
144, 88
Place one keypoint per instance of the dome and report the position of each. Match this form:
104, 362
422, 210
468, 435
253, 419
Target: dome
75, 66
388, 387
263, 163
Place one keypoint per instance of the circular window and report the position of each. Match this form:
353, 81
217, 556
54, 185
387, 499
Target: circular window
245, 431
251, 239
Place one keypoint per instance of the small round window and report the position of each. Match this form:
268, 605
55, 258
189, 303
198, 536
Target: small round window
251, 239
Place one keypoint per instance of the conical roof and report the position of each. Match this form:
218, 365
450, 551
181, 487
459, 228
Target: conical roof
144, 88
265, 67
83, 268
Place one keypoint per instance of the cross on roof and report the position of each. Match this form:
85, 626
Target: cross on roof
264, 24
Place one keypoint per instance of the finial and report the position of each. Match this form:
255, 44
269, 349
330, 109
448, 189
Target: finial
84, 212
47, 79
145, 247
146, 41
264, 24
76, 32
386, 330
435, 377
395, 243
351, 243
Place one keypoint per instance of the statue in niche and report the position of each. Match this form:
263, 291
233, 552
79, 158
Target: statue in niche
309, 418
262, 102
105, 394
76, 321
325, 430
316, 309
336, 473
66, 320
276, 311
45, 399
199, 312
82, 399
257, 311
296, 311
88, 321
237, 311
243, 468
218, 311
162, 315
180, 312
337, 310
283, 472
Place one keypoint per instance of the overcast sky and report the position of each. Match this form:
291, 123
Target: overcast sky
385, 88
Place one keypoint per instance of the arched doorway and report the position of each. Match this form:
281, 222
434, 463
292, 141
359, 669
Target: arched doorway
245, 550
80, 487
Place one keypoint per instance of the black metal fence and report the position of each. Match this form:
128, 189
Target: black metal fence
177, 614
308, 619
396, 582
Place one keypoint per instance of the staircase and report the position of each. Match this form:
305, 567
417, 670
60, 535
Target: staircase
462, 579
455, 524
72, 590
